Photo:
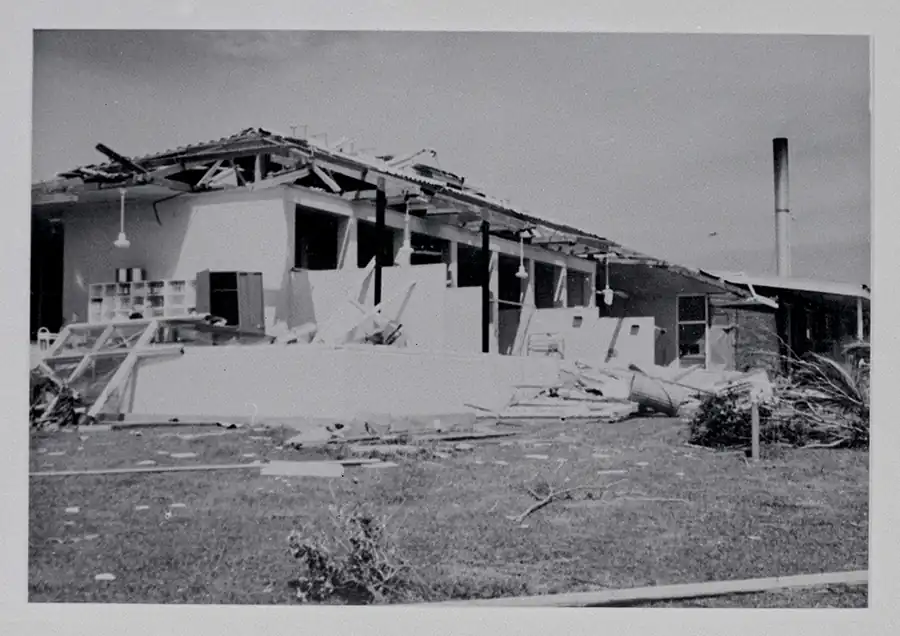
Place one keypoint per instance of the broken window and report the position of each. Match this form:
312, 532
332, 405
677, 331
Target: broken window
367, 244
576, 288
693, 316
544, 285
316, 237
471, 267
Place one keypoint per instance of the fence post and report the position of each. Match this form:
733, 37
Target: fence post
754, 429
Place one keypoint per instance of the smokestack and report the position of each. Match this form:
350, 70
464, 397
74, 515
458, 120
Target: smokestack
782, 206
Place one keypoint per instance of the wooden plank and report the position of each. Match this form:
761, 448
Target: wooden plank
149, 469
754, 430
210, 173
634, 596
326, 179
280, 179
86, 358
143, 352
611, 351
182, 469
124, 370
58, 343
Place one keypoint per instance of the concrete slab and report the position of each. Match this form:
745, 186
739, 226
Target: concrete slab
303, 469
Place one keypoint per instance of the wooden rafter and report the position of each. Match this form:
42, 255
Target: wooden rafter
326, 179
210, 173
280, 179
237, 172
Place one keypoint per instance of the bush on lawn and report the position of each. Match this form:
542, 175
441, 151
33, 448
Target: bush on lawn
357, 563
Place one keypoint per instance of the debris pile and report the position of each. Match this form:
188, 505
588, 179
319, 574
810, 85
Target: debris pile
52, 404
822, 404
610, 393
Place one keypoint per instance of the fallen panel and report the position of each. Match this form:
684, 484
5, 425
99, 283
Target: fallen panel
303, 469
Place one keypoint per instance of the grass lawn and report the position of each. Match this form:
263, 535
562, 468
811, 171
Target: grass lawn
680, 515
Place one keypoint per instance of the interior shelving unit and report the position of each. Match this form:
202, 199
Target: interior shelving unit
111, 302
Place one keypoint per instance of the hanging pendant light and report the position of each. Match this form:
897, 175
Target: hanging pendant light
122, 242
522, 273
404, 254
608, 293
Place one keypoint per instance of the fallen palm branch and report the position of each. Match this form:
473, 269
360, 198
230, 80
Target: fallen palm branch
821, 404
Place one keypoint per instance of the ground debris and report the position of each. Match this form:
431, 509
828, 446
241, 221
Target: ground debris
553, 494
822, 404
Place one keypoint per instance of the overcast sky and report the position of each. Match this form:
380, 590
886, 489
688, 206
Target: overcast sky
660, 142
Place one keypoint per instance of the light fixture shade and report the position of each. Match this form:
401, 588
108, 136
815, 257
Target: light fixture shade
608, 296
521, 272
122, 242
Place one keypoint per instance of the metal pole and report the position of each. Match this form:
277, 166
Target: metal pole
782, 205
380, 207
860, 322
486, 287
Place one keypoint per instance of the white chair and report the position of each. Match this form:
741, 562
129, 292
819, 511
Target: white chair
45, 338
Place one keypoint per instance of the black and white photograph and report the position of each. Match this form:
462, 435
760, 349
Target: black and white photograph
449, 318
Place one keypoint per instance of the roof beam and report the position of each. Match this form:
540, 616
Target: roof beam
279, 179
326, 179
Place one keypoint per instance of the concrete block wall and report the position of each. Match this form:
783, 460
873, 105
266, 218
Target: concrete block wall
273, 381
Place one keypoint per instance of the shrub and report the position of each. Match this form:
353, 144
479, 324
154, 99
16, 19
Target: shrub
357, 564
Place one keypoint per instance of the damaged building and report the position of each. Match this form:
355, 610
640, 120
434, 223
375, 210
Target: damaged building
284, 239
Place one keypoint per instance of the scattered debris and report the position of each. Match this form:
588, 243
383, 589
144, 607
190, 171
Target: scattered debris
73, 510
464, 447
106, 576
555, 494
53, 404
318, 436
229, 425
146, 462
138, 508
177, 505
56, 454
500, 462
823, 404
91, 537
182, 455
382, 465
537, 457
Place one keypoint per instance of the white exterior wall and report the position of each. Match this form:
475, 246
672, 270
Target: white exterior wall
241, 232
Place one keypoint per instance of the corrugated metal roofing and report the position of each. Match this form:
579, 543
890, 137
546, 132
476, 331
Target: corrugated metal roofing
795, 284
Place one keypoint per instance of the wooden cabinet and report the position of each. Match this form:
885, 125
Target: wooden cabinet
235, 296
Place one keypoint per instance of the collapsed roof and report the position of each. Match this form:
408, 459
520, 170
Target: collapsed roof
256, 159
